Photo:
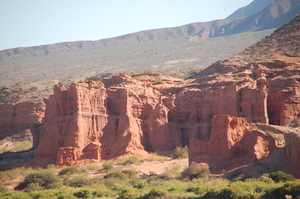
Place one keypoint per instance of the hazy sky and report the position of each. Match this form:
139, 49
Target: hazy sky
26, 23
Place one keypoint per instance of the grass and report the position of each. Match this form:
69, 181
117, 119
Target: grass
16, 146
129, 160
44, 183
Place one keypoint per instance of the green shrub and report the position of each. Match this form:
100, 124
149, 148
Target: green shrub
51, 166
279, 176
195, 171
79, 181
69, 171
290, 188
152, 178
180, 152
2, 188
33, 187
108, 166
129, 160
103, 193
83, 193
139, 185
124, 192
116, 174
172, 172
155, 193
131, 173
44, 179
16, 195
93, 166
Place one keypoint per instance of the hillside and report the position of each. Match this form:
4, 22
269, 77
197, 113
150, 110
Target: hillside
283, 44
251, 9
169, 54
176, 48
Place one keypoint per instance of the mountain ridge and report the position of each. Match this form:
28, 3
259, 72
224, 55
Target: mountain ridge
254, 7
202, 30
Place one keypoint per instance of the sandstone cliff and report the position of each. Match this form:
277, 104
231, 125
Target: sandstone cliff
91, 121
234, 143
152, 113
17, 118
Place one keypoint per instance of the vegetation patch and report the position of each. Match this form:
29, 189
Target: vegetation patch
40, 179
129, 160
180, 152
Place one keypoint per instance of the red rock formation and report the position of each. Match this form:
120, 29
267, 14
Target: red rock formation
233, 143
292, 153
17, 118
125, 115
90, 122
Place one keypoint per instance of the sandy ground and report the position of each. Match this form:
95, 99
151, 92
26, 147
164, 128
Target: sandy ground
157, 167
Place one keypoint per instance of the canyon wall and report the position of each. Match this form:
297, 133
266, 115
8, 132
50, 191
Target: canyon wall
17, 118
233, 143
124, 115
90, 122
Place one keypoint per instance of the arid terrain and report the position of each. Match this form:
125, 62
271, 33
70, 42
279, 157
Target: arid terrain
236, 120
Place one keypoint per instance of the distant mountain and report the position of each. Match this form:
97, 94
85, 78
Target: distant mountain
275, 15
166, 48
251, 9
181, 32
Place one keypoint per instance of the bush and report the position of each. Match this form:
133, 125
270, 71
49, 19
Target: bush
2, 188
152, 178
79, 181
44, 179
155, 193
69, 171
93, 166
279, 176
139, 184
131, 173
172, 172
115, 174
180, 152
129, 160
290, 188
108, 166
33, 187
124, 192
195, 171
83, 193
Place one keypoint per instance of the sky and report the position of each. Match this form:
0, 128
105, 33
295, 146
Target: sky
25, 23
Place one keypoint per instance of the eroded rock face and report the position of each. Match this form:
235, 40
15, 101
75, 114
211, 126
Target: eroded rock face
152, 113
88, 121
233, 143
21, 117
